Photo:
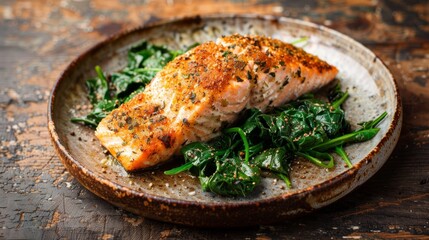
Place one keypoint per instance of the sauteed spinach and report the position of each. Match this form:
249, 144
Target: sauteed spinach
310, 128
107, 93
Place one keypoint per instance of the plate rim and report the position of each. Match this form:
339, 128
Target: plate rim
61, 150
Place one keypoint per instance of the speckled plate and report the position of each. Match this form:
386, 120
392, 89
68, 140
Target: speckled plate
179, 199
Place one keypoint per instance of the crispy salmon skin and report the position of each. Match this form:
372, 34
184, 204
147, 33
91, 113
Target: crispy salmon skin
204, 89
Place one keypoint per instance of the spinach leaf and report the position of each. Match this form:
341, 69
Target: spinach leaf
274, 159
202, 157
233, 177
277, 160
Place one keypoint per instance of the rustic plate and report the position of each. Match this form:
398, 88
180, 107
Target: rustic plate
179, 199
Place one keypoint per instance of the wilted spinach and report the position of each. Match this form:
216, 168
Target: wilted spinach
107, 93
230, 164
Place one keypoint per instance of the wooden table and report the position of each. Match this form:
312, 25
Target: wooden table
39, 199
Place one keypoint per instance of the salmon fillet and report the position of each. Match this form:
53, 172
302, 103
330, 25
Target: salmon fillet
205, 89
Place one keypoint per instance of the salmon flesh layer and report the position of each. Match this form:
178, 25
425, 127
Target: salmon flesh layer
205, 89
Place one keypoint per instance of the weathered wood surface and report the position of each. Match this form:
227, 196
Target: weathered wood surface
40, 200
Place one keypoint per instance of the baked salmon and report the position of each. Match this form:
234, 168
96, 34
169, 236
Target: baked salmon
205, 89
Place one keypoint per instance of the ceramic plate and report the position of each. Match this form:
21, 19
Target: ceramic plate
179, 198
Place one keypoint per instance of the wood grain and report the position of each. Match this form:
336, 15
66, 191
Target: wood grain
39, 198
